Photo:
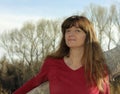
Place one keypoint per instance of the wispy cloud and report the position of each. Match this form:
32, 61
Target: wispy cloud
10, 21
14, 12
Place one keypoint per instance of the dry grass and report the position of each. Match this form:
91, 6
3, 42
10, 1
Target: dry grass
115, 88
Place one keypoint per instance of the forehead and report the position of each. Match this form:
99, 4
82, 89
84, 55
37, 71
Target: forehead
70, 24
73, 27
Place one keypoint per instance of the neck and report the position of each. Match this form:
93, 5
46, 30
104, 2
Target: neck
76, 55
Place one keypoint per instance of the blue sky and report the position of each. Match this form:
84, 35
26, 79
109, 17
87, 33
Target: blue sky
13, 13
47, 8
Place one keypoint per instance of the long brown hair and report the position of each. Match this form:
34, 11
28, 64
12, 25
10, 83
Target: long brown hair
93, 58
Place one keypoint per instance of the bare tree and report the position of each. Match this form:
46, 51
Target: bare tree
110, 29
55, 32
6, 43
32, 42
99, 16
117, 22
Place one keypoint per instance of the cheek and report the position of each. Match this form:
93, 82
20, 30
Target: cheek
82, 38
66, 41
66, 38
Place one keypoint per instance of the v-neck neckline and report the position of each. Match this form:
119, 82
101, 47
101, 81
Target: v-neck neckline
73, 70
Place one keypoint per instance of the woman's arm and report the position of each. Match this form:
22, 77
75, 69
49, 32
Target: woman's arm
35, 81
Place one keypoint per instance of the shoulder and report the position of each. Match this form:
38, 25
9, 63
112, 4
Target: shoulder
50, 61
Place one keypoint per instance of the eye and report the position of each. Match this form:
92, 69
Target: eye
78, 30
67, 31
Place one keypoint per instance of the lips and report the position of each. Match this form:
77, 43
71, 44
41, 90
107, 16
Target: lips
71, 39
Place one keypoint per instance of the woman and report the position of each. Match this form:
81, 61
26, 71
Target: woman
78, 66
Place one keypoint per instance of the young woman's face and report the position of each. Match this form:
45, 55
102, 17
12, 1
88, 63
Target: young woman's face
75, 37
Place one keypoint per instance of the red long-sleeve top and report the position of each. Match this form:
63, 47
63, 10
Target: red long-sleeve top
62, 80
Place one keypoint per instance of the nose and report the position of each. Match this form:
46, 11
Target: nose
71, 33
